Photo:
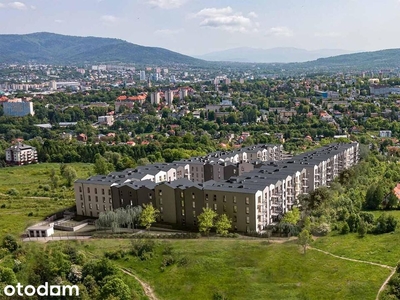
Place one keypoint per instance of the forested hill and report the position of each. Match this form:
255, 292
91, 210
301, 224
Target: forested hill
389, 58
61, 49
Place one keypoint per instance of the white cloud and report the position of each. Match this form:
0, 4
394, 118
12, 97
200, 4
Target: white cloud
166, 4
109, 19
280, 31
226, 19
252, 14
169, 31
33, 7
59, 21
327, 34
17, 5
2, 5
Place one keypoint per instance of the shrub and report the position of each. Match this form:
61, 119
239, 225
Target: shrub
10, 243
3, 206
167, 250
321, 229
114, 255
13, 192
30, 214
46, 187
143, 248
168, 260
385, 223
345, 228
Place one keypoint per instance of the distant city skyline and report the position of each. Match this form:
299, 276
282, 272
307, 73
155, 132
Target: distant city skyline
197, 27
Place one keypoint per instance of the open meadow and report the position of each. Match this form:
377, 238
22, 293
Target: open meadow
246, 269
26, 195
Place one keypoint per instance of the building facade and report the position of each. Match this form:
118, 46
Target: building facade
253, 197
21, 154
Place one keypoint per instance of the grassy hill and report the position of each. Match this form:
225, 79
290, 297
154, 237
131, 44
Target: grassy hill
247, 269
53, 48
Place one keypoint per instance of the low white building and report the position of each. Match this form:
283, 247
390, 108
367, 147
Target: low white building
106, 120
41, 230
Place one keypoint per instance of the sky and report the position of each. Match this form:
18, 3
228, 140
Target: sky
196, 27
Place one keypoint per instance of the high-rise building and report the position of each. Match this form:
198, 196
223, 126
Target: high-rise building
18, 107
155, 98
182, 94
142, 75
169, 97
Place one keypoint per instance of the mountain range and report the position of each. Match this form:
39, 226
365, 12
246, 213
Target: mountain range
44, 47
273, 55
51, 48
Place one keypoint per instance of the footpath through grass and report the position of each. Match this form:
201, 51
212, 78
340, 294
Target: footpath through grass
382, 248
248, 269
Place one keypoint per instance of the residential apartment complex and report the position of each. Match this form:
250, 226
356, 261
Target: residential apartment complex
21, 154
18, 107
253, 185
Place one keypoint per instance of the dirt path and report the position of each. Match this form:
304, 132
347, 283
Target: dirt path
146, 287
385, 283
351, 259
364, 262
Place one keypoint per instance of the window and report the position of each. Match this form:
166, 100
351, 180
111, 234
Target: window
80, 189
150, 196
193, 196
104, 199
88, 189
160, 200
97, 199
90, 198
174, 174
247, 200
81, 197
160, 193
247, 220
95, 190
235, 209
234, 199
183, 212
215, 206
247, 210
97, 207
234, 218
215, 197
90, 205
109, 192
206, 205
102, 191
181, 194
194, 204
82, 205
194, 214
161, 209
110, 201
183, 203
224, 198
104, 207
206, 197
224, 208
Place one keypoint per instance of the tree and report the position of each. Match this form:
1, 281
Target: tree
223, 224
362, 229
54, 179
374, 197
206, 220
7, 276
102, 166
345, 228
114, 288
69, 174
10, 243
292, 217
391, 201
304, 239
148, 216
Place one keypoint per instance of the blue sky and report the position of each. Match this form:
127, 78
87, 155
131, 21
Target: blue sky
197, 27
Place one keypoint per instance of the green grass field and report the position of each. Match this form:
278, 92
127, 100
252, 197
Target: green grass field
249, 269
30, 183
382, 248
